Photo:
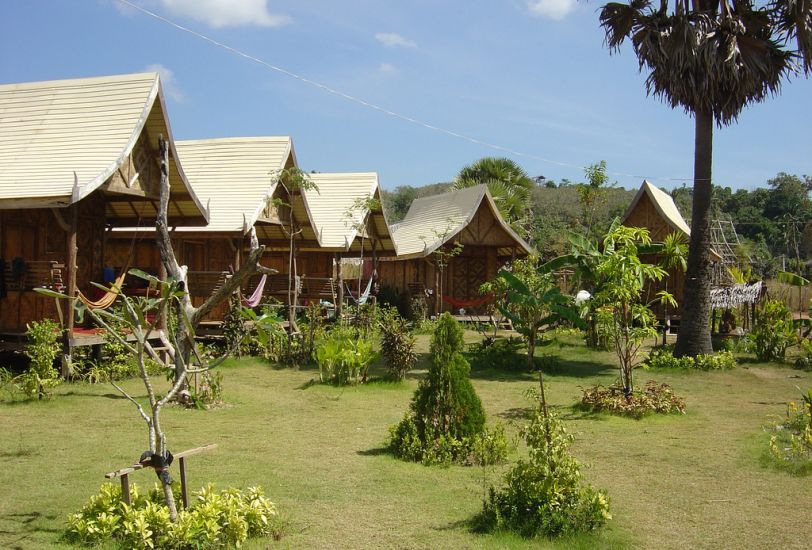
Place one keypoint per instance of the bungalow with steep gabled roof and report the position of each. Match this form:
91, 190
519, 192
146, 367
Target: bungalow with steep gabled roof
348, 221
655, 210
78, 157
239, 178
448, 245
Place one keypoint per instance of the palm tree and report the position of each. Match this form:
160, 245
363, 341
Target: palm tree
712, 58
507, 182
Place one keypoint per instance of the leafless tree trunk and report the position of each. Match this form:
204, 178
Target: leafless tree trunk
178, 272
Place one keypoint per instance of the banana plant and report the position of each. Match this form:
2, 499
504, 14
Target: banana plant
534, 304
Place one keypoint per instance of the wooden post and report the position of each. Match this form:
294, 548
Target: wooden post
237, 255
438, 304
184, 490
71, 268
340, 300
125, 489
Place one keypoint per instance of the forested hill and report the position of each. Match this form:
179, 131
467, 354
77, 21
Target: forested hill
774, 222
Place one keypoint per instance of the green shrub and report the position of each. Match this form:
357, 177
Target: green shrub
446, 421
397, 344
663, 358
653, 398
214, 519
773, 332
790, 446
544, 495
43, 349
208, 392
804, 362
344, 358
418, 309
235, 333
486, 448
498, 353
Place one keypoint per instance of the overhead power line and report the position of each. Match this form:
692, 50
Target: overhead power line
375, 107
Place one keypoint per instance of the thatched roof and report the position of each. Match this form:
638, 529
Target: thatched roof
736, 295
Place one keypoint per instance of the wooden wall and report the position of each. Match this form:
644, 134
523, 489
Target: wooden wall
462, 277
35, 235
646, 215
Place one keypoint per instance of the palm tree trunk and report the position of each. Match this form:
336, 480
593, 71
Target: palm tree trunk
694, 334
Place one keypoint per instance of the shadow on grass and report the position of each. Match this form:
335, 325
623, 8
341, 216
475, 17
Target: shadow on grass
516, 413
74, 393
560, 367
26, 522
377, 451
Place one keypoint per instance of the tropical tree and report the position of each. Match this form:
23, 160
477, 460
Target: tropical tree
592, 195
533, 303
622, 276
712, 58
507, 182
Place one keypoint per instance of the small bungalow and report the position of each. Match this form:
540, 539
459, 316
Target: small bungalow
238, 178
78, 157
348, 221
655, 210
448, 245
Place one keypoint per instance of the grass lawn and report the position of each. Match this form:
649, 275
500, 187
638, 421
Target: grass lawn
693, 481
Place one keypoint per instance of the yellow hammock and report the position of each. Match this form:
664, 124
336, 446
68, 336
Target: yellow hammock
109, 297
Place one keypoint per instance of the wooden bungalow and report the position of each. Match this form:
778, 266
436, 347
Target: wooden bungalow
655, 210
348, 221
238, 177
448, 245
78, 157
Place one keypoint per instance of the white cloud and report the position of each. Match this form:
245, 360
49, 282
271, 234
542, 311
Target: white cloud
227, 13
168, 81
551, 9
394, 40
387, 68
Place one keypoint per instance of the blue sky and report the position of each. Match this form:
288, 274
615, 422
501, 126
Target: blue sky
530, 76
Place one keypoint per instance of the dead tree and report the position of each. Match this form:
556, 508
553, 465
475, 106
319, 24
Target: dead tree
185, 341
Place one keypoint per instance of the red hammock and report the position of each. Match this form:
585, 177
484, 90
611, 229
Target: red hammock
455, 302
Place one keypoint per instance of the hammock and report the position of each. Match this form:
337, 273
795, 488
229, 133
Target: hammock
108, 298
256, 297
457, 303
364, 297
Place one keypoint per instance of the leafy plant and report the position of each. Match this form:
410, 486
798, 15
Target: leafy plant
446, 415
544, 495
804, 362
773, 332
790, 446
418, 309
344, 359
622, 277
653, 398
235, 332
42, 350
397, 344
223, 519
497, 353
271, 337
663, 358
532, 301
